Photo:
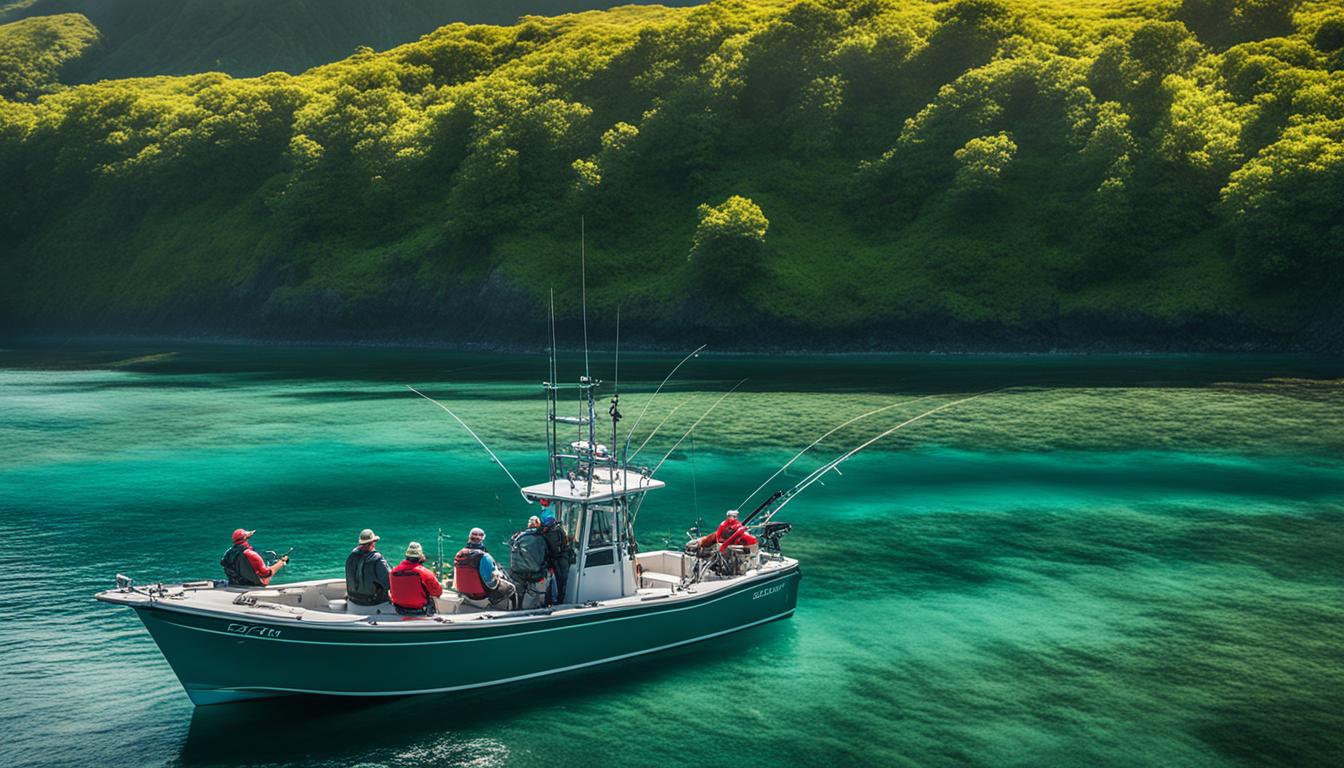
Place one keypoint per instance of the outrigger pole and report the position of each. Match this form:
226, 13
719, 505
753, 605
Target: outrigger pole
471, 432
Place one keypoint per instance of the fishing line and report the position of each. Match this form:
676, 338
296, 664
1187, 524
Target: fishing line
693, 426
472, 432
655, 429
683, 437
818, 473
814, 443
673, 372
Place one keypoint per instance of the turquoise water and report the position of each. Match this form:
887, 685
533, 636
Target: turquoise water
1117, 560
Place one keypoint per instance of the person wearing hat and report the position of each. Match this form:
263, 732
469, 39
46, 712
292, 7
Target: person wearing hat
731, 532
478, 578
243, 565
367, 574
414, 586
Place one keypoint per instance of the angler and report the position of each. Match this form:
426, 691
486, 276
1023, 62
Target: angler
244, 566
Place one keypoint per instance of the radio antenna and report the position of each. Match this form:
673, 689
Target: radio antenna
583, 277
472, 432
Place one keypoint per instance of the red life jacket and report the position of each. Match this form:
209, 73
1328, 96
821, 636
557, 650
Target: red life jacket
467, 573
408, 585
732, 532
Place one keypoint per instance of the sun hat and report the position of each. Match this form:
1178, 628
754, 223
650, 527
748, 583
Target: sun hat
242, 534
367, 536
477, 533
415, 550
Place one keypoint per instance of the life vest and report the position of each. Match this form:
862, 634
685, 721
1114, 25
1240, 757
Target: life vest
361, 585
408, 587
238, 569
467, 573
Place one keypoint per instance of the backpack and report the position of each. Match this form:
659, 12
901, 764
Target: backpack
527, 555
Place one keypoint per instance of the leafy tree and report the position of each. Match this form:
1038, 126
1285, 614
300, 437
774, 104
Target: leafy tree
729, 246
1223, 23
1287, 204
982, 161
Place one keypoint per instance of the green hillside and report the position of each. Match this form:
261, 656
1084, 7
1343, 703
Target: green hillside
252, 37
825, 173
33, 52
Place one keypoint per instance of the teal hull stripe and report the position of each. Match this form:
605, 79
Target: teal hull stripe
692, 605
502, 681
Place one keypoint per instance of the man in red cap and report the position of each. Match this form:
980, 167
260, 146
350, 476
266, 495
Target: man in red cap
243, 565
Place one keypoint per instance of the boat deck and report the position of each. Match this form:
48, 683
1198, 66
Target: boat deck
322, 602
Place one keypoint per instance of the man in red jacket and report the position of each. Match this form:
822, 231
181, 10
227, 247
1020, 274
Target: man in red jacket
243, 565
731, 532
414, 586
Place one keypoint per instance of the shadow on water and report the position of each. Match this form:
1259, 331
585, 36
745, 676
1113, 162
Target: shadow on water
340, 731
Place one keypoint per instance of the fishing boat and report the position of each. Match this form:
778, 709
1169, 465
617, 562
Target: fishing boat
236, 643
229, 644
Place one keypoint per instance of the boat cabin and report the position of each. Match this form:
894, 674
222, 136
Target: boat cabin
597, 511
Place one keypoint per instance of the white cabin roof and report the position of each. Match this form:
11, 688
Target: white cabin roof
608, 483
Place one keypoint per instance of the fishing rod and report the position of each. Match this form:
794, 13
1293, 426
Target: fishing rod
660, 426
659, 465
821, 471
472, 432
695, 424
762, 506
817, 442
670, 374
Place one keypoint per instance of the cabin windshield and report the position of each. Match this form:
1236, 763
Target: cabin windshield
600, 533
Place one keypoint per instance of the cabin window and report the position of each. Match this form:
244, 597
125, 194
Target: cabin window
599, 532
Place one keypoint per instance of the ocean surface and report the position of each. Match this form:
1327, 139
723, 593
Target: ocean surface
1105, 560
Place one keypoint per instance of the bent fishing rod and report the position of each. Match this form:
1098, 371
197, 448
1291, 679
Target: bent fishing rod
478, 439
647, 403
787, 496
684, 435
818, 441
669, 415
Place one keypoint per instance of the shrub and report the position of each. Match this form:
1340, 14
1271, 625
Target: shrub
729, 245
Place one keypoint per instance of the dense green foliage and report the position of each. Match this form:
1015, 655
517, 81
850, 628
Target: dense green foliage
729, 244
252, 37
1155, 172
33, 52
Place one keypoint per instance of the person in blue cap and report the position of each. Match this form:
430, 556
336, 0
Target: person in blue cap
559, 551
